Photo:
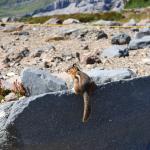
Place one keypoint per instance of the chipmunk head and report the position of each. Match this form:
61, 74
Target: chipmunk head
72, 70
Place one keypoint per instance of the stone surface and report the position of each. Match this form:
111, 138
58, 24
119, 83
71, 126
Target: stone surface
71, 21
101, 34
142, 33
11, 97
106, 75
121, 39
79, 6
139, 43
38, 81
115, 51
53, 21
90, 58
119, 120
106, 23
13, 28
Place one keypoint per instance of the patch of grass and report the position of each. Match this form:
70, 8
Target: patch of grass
137, 4
88, 17
18, 89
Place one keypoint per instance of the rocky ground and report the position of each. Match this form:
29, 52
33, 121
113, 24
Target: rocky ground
55, 47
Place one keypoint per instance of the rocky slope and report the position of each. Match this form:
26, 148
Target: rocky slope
21, 7
80, 6
49, 7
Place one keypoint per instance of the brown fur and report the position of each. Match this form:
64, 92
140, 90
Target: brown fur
84, 86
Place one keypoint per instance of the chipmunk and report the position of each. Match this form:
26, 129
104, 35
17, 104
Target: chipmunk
84, 86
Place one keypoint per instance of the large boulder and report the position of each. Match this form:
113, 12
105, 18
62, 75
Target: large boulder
37, 81
119, 120
115, 51
106, 75
121, 39
139, 43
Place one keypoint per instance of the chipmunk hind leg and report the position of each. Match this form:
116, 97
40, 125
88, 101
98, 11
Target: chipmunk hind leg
87, 107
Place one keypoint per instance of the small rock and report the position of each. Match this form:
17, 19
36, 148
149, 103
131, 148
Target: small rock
106, 23
90, 58
121, 39
11, 97
6, 19
142, 33
115, 51
55, 38
53, 21
85, 47
101, 34
13, 28
140, 43
131, 22
135, 29
71, 21
10, 74
25, 33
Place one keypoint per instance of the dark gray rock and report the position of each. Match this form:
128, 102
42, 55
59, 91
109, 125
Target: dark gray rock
25, 33
101, 34
115, 51
119, 120
121, 39
38, 81
139, 43
142, 33
104, 76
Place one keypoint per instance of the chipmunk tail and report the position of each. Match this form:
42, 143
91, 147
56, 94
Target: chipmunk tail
87, 107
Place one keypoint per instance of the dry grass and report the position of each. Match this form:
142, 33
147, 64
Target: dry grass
18, 89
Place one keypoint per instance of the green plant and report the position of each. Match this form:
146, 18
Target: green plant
137, 3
